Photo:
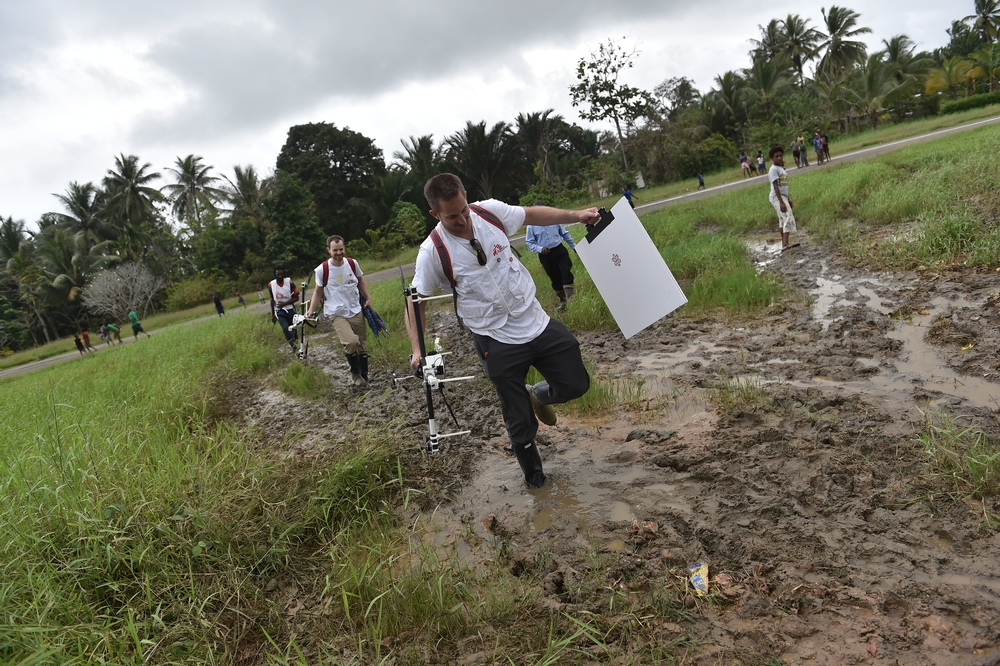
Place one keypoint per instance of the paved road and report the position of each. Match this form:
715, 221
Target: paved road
518, 241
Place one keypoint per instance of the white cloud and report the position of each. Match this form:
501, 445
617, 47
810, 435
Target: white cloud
80, 83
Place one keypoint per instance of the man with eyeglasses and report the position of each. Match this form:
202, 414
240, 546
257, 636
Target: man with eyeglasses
469, 251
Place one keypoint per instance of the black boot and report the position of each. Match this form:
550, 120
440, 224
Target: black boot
352, 360
363, 366
531, 463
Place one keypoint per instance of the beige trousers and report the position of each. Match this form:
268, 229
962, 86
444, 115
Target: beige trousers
352, 332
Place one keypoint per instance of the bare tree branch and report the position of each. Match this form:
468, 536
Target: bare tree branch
118, 291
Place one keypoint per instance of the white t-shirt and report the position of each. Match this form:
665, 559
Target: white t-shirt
340, 295
495, 300
281, 292
778, 174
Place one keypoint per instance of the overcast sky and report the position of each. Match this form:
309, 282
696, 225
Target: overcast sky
81, 82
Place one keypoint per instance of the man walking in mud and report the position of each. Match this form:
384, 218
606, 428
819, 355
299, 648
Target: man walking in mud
283, 297
468, 251
340, 288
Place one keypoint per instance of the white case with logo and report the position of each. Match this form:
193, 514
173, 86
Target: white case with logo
629, 272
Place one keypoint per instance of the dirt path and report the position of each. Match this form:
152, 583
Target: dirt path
827, 540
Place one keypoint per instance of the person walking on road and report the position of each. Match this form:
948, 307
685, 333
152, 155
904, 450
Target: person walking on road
133, 319
239, 298
343, 293
219, 309
547, 243
86, 340
779, 196
469, 252
627, 193
260, 294
114, 334
79, 345
283, 297
803, 156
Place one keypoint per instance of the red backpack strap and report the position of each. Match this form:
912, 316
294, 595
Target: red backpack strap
489, 216
326, 274
445, 257
353, 264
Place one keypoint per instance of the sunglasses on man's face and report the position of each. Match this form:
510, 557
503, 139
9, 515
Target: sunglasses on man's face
480, 253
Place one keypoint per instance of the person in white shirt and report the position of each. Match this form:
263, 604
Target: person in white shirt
495, 298
779, 195
339, 281
283, 297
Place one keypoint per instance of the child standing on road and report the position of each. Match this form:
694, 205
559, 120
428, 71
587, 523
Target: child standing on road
779, 196
701, 181
760, 163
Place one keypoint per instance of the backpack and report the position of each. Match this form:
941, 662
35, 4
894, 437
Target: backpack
445, 256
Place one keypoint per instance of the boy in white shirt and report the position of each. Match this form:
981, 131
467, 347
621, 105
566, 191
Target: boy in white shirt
339, 280
779, 196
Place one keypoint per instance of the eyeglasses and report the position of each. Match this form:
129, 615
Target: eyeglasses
480, 253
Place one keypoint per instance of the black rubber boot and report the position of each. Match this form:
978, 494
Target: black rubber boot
531, 464
363, 366
352, 360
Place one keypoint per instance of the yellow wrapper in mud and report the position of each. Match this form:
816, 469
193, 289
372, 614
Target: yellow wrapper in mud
698, 574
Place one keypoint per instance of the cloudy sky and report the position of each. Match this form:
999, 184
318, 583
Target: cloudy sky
81, 82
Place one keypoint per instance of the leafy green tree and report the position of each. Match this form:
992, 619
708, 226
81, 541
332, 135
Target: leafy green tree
84, 213
483, 158
297, 242
986, 64
536, 135
797, 43
605, 98
194, 190
841, 49
769, 45
674, 95
336, 166
245, 194
131, 204
12, 234
69, 261
962, 40
874, 86
986, 19
950, 76
408, 222
766, 79
421, 158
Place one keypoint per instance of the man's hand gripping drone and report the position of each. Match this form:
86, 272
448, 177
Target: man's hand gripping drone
430, 371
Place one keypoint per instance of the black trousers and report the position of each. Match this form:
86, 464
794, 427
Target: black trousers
558, 266
285, 320
555, 354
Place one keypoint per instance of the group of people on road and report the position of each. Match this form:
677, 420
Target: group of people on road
819, 143
110, 334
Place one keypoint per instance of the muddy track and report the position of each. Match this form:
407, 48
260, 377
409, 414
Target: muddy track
827, 540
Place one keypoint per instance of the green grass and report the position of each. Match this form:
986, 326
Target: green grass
741, 394
850, 143
305, 381
963, 457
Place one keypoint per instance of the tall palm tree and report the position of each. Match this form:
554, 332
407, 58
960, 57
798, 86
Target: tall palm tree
536, 135
69, 261
12, 234
769, 44
130, 198
874, 85
421, 157
841, 49
765, 79
245, 194
986, 63
986, 19
950, 76
84, 212
194, 190
729, 95
482, 156
797, 43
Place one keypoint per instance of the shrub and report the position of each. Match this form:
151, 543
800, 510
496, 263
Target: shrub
970, 102
195, 291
